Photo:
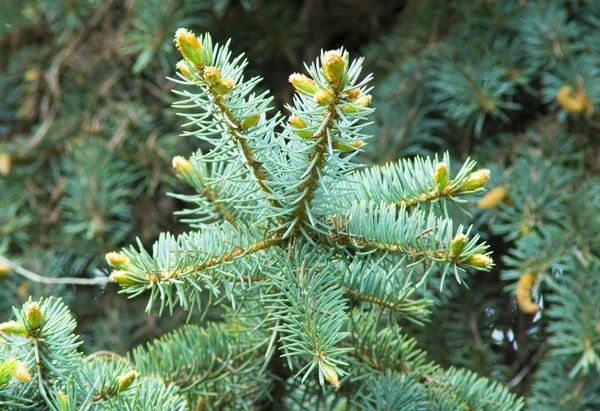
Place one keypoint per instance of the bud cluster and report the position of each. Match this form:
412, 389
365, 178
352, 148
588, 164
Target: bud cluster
192, 67
120, 263
334, 69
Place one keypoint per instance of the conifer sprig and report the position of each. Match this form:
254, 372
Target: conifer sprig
286, 222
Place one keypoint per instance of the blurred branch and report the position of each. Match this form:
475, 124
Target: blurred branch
49, 280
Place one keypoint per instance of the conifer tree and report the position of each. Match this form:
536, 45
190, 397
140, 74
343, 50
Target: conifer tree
311, 277
312, 261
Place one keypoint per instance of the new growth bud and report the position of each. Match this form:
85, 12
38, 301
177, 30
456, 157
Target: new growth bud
63, 400
181, 165
226, 86
353, 94
323, 97
212, 75
523, 294
185, 70
122, 278
476, 180
441, 176
297, 122
125, 380
190, 47
362, 101
34, 316
5, 164
13, 327
330, 375
574, 102
21, 372
117, 260
347, 147
457, 244
480, 260
303, 83
250, 121
493, 198
334, 65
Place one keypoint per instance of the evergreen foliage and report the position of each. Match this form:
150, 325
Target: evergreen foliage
321, 268
279, 266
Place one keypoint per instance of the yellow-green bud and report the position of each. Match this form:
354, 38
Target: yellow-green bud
323, 97
353, 94
21, 373
441, 176
117, 260
190, 47
457, 244
476, 180
334, 64
7, 368
574, 102
5, 164
181, 165
185, 70
493, 198
523, 294
34, 316
4, 269
122, 278
13, 327
250, 121
331, 375
63, 401
480, 260
224, 86
347, 147
298, 123
362, 101
303, 83
212, 75
126, 379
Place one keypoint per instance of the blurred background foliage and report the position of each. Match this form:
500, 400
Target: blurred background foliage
87, 137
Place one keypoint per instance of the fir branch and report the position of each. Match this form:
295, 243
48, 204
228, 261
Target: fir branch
180, 266
381, 227
385, 282
234, 127
408, 184
310, 312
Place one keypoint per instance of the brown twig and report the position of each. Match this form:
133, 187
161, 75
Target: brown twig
50, 280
